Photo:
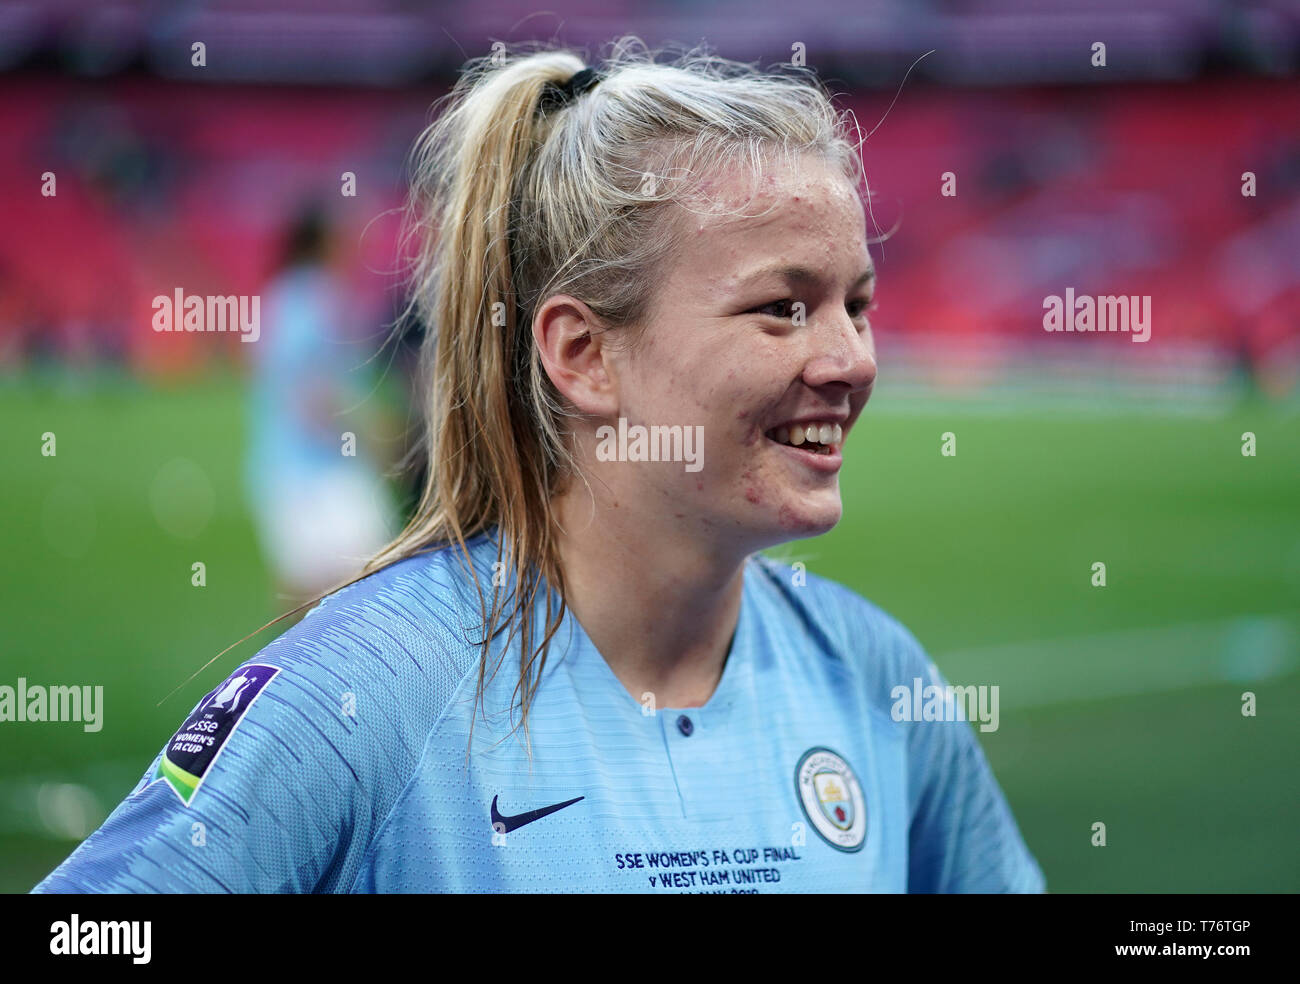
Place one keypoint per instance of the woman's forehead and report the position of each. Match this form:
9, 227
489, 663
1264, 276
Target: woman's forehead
813, 216
727, 196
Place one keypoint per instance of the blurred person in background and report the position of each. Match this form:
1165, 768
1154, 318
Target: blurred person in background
318, 500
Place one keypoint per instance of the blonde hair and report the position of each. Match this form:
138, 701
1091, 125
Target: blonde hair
511, 203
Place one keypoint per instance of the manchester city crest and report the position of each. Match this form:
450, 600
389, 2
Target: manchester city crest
832, 798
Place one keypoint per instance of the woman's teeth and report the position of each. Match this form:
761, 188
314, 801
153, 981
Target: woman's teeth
824, 434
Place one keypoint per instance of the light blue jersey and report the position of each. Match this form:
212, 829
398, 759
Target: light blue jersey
306, 369
335, 761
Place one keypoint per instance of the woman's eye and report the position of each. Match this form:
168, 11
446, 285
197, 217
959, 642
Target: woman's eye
785, 306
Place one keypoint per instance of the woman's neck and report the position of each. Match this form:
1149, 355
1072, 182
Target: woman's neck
661, 610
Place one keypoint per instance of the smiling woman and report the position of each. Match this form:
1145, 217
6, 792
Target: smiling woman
679, 248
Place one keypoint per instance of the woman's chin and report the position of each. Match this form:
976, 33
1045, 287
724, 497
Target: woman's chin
807, 519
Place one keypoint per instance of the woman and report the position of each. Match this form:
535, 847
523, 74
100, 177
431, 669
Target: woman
649, 289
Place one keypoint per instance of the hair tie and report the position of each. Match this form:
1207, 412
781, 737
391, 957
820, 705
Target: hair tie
556, 95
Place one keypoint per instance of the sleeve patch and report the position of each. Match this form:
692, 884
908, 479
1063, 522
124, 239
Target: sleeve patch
192, 750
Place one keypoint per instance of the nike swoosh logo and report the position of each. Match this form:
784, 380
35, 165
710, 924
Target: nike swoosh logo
503, 825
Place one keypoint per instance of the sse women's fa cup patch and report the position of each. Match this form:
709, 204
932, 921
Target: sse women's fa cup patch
192, 750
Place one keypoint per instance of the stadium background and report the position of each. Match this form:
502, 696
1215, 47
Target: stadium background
1118, 704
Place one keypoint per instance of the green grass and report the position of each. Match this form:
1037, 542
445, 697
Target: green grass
973, 553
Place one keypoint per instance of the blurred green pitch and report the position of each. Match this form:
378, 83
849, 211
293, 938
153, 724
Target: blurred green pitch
1140, 730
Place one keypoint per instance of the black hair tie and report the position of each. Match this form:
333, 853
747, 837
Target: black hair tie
556, 95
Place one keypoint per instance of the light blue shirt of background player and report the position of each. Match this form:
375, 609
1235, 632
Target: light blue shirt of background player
306, 372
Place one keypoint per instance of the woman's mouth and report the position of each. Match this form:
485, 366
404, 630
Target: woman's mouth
815, 437
815, 444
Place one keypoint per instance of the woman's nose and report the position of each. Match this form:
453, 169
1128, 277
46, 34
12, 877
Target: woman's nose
845, 355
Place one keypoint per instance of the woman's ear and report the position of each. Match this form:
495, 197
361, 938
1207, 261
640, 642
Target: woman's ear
571, 342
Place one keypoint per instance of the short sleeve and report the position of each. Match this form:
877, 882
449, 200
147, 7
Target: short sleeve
246, 797
962, 837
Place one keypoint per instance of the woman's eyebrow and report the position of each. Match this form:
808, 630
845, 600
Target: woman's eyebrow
801, 275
